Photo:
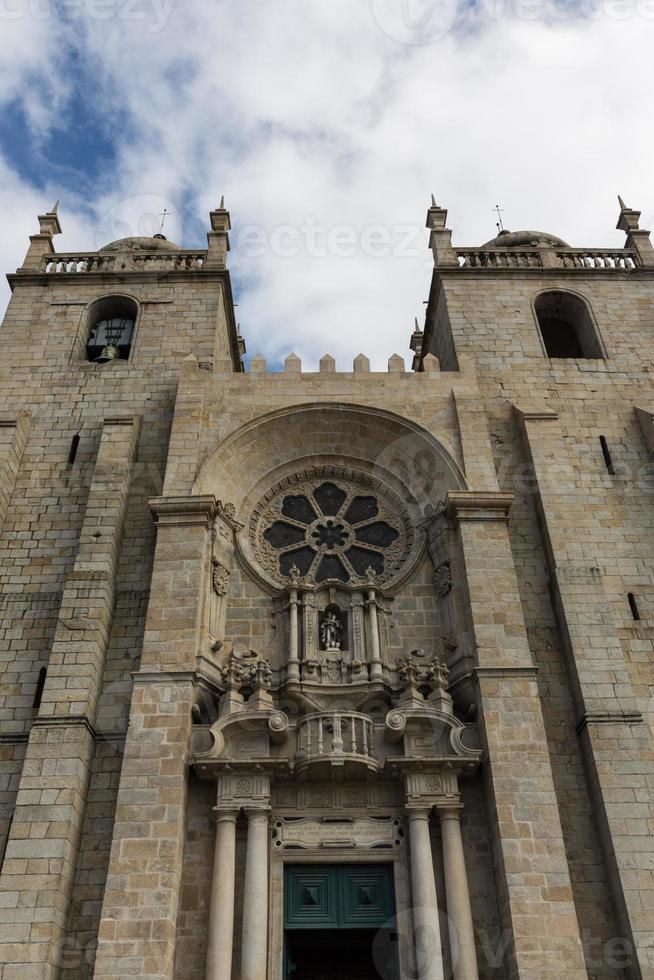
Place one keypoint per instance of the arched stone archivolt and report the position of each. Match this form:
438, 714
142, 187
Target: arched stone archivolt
402, 466
400, 451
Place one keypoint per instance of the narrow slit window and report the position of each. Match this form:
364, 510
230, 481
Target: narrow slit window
606, 452
635, 611
74, 446
40, 684
6, 843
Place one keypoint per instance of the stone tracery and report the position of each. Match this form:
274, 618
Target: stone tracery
331, 525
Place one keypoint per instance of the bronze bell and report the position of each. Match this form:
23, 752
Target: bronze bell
109, 353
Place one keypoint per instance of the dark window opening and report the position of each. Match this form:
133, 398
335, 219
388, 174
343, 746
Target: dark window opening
362, 509
40, 684
302, 559
299, 509
281, 535
74, 446
361, 560
606, 452
381, 534
330, 498
560, 338
635, 611
566, 326
331, 567
110, 329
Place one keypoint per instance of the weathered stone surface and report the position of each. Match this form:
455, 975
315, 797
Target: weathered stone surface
128, 572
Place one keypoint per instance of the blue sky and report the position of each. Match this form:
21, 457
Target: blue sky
326, 124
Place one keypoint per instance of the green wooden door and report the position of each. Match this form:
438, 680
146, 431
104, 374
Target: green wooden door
338, 896
333, 915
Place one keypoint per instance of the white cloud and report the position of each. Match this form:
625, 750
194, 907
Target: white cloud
299, 111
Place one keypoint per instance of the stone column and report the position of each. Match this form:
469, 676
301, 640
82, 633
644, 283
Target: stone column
254, 947
221, 913
376, 672
459, 910
428, 946
293, 668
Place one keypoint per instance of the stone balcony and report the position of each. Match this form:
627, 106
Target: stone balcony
335, 744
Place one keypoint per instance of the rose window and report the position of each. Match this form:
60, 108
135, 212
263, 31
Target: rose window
331, 530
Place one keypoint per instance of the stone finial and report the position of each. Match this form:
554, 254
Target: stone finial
440, 239
220, 218
436, 216
361, 364
218, 237
430, 364
258, 365
49, 223
638, 239
327, 364
41, 244
417, 339
396, 364
417, 336
628, 219
293, 364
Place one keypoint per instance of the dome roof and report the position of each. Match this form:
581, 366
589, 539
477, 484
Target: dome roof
525, 239
156, 244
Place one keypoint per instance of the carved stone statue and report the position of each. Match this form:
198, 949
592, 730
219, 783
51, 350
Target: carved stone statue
331, 632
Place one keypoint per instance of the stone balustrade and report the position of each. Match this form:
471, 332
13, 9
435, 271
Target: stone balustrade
618, 259
500, 258
136, 262
68, 263
613, 260
329, 739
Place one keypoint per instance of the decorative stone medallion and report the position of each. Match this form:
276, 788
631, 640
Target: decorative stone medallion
331, 525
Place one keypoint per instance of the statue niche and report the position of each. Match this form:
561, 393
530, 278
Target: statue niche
332, 634
333, 629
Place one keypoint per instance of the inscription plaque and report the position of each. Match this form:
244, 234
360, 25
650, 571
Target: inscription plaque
325, 833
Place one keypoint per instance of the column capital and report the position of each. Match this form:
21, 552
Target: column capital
450, 811
468, 505
224, 815
256, 810
184, 510
419, 811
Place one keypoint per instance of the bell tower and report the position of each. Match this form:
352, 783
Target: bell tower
93, 344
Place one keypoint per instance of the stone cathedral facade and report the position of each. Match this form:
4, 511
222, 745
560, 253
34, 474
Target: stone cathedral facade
327, 674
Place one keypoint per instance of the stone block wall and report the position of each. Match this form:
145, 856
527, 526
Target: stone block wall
48, 395
574, 521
